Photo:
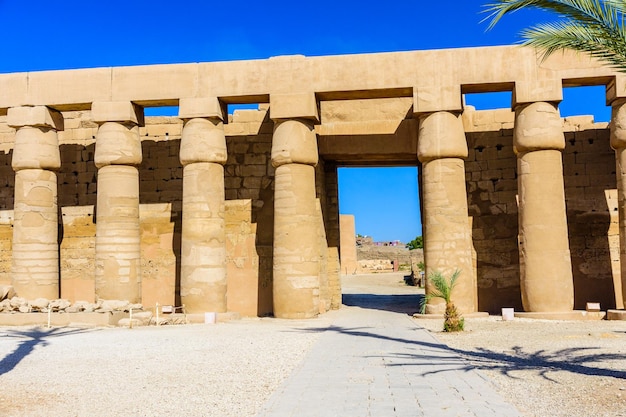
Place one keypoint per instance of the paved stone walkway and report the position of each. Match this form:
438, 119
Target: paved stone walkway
377, 363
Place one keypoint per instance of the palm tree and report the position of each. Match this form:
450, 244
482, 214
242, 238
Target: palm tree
595, 27
453, 322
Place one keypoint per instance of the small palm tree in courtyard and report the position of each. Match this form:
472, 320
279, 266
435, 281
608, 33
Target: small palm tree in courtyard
595, 27
441, 287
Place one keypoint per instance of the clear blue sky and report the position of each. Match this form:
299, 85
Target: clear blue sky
44, 35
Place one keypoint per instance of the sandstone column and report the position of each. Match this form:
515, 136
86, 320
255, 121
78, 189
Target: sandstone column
546, 270
35, 259
618, 143
447, 235
296, 222
118, 152
203, 252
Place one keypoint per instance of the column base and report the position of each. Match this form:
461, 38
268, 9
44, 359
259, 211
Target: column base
475, 315
562, 315
616, 314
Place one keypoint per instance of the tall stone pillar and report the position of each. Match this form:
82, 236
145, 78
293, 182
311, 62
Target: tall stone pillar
447, 236
203, 252
35, 260
618, 143
332, 235
296, 288
118, 152
546, 270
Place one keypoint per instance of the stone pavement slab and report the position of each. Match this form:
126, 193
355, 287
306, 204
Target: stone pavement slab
380, 363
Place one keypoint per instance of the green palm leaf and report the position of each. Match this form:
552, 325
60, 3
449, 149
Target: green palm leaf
441, 287
595, 27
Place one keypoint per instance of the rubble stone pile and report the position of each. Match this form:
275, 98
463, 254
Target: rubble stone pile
10, 302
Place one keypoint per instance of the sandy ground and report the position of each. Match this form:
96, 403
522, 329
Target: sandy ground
545, 368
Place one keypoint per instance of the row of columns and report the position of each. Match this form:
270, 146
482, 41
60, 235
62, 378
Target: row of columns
546, 275
36, 157
298, 252
546, 279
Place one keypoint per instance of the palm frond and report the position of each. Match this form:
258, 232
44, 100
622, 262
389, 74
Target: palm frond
440, 287
595, 27
584, 11
551, 37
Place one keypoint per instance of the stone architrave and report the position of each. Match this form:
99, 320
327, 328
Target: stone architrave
618, 143
36, 157
118, 238
296, 287
203, 154
546, 271
447, 235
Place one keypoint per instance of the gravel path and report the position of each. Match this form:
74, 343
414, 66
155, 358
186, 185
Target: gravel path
544, 367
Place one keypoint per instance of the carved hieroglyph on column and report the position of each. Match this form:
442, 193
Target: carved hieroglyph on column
618, 143
296, 221
546, 270
203, 247
35, 261
118, 152
447, 236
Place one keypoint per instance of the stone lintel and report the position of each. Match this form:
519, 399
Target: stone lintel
117, 111
40, 116
616, 89
202, 107
548, 90
294, 106
437, 98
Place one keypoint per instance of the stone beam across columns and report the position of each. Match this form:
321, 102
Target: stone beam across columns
545, 264
296, 264
36, 157
441, 149
118, 152
203, 244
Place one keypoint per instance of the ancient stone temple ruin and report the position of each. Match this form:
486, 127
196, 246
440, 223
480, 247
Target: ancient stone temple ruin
240, 213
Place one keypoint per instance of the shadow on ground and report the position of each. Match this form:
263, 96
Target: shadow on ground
405, 303
580, 361
30, 339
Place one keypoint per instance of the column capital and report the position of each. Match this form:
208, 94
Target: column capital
36, 116
294, 106
430, 99
117, 111
294, 142
538, 126
202, 107
546, 89
203, 140
618, 124
441, 135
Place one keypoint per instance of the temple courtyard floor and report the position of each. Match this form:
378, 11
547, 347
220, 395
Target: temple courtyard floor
370, 358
